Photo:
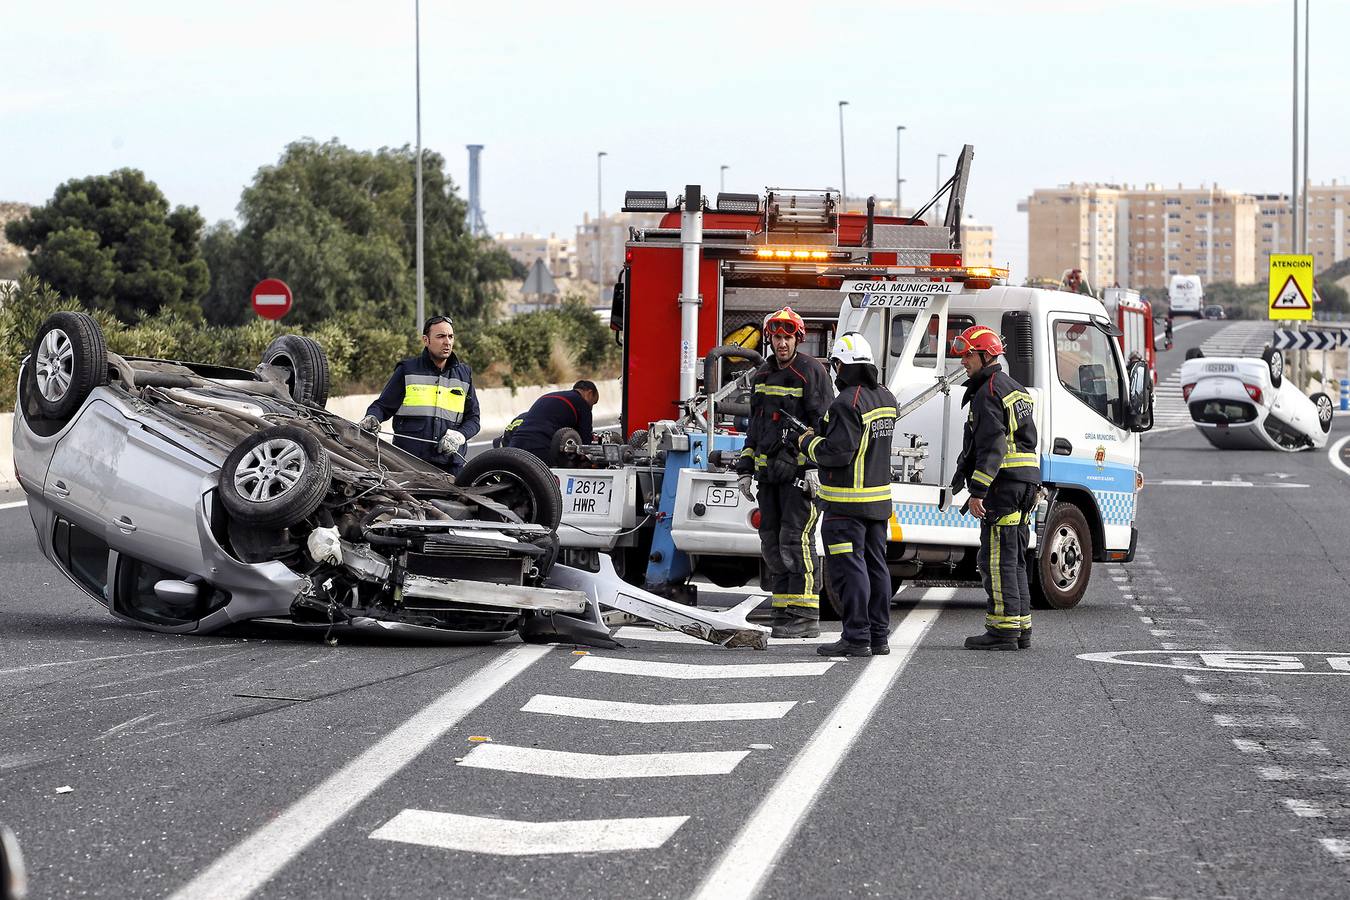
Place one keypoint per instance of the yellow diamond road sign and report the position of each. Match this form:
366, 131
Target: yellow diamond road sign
1291, 287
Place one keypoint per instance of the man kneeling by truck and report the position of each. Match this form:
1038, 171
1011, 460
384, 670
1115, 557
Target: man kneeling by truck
533, 430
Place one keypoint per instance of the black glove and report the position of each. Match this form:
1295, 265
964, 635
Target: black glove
782, 468
791, 435
958, 482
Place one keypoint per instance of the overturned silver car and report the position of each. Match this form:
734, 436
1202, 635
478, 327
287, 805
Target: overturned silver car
186, 497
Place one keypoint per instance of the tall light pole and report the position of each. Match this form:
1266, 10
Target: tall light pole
1307, 97
898, 179
937, 184
417, 66
723, 188
599, 228
843, 178
1293, 194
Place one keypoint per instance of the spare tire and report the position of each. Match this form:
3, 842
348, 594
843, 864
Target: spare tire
306, 366
564, 445
1195, 353
275, 478
1274, 359
69, 359
517, 480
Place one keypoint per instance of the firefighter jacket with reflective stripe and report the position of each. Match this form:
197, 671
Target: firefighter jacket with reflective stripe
853, 452
800, 388
426, 402
534, 429
1000, 435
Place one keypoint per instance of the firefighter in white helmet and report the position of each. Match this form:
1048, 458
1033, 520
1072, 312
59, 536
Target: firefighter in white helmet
853, 451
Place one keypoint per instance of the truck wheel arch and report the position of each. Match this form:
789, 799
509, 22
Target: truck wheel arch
1082, 498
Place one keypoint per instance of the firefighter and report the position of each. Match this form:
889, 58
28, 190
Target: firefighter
853, 452
432, 400
1000, 465
534, 429
795, 383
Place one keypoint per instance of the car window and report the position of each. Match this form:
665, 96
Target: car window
1087, 368
136, 595
901, 326
84, 556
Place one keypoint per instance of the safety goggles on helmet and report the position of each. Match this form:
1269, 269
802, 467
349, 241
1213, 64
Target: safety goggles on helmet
977, 339
785, 321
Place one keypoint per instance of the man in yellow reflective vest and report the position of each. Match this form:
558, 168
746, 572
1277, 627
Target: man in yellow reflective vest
1000, 464
432, 400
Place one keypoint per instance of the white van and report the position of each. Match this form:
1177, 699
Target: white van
1185, 295
1090, 408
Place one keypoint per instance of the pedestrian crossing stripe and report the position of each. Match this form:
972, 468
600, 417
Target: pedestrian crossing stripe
1290, 296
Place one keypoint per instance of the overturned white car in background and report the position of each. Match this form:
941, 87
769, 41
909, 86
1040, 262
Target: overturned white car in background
1243, 403
186, 497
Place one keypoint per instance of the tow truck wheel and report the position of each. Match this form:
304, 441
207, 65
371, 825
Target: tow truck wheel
1062, 566
564, 446
518, 480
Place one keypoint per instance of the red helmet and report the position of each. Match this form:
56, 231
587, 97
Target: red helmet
977, 339
785, 321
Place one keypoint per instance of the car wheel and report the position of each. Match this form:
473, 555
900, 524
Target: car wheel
1195, 353
1326, 410
1275, 360
275, 478
564, 446
69, 359
1063, 563
306, 366
518, 480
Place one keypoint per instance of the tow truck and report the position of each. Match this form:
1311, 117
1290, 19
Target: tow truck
663, 507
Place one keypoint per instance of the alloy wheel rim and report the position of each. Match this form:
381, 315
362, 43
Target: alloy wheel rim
269, 470
1324, 410
55, 365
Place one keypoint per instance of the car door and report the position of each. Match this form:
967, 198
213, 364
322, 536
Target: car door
84, 465
1090, 445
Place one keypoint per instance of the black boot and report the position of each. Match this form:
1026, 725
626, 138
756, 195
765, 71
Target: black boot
795, 627
1024, 639
993, 640
845, 648
880, 648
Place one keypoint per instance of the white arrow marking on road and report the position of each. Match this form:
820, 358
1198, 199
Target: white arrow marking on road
688, 671
619, 711
249, 865
663, 636
511, 837
599, 766
742, 869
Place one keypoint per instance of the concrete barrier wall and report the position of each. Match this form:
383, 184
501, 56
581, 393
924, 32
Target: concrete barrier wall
497, 407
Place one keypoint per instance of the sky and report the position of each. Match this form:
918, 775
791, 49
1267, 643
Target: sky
200, 95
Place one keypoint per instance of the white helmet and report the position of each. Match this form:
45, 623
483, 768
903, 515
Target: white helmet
851, 347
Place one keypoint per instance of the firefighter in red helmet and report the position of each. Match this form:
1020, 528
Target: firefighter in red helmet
1000, 464
795, 383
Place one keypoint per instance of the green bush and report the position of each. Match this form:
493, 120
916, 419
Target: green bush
535, 348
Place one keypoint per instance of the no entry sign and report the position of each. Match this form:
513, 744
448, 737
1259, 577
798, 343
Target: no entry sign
271, 298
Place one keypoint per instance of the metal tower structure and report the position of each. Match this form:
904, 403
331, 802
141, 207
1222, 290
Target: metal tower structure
475, 223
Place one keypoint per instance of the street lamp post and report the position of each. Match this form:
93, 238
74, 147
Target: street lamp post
599, 229
898, 179
723, 188
417, 66
843, 178
937, 184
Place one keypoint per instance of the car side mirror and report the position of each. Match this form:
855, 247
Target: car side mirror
1141, 396
13, 879
175, 592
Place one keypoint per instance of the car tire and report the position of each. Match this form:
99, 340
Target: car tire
275, 478
1274, 359
69, 359
1326, 410
306, 365
558, 453
1062, 567
526, 485
1195, 353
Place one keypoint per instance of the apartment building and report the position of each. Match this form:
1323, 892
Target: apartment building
1076, 226
610, 238
1206, 231
1328, 209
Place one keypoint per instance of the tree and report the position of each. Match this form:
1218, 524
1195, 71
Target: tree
339, 226
112, 241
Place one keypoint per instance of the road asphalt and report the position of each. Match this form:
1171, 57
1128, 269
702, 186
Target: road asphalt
273, 764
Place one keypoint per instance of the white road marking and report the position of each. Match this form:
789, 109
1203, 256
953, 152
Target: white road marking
666, 636
619, 711
599, 766
1334, 454
1184, 482
1282, 747
1304, 809
14, 505
1266, 700
689, 671
130, 723
253, 861
96, 659
510, 837
1288, 773
762, 839
1224, 720
1337, 847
